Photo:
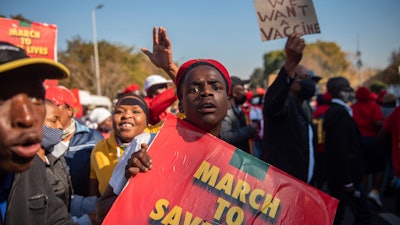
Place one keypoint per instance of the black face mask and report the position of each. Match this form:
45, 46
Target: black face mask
347, 95
240, 100
307, 89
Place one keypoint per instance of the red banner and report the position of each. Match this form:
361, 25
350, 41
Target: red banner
38, 39
199, 179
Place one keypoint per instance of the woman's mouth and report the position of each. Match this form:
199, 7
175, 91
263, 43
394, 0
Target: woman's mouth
126, 125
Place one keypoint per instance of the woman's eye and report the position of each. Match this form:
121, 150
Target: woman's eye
118, 111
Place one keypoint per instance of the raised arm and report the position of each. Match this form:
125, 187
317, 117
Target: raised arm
162, 52
294, 52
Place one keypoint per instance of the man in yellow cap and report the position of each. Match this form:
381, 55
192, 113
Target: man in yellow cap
26, 196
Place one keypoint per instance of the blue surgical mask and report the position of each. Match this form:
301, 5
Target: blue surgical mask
51, 137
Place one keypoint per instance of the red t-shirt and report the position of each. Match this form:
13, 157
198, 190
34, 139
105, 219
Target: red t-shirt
391, 125
159, 104
366, 114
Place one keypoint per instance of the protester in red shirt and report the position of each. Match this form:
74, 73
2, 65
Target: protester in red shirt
391, 133
159, 98
391, 127
369, 117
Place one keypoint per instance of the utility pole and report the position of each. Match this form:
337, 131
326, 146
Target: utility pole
359, 62
96, 50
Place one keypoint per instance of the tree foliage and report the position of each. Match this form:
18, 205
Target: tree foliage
272, 62
325, 58
17, 17
390, 75
257, 79
120, 66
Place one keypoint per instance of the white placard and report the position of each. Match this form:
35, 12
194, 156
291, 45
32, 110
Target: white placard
279, 18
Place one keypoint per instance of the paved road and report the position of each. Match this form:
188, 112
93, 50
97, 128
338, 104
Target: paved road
385, 216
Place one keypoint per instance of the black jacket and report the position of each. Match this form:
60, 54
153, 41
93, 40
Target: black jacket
342, 146
286, 127
32, 200
235, 131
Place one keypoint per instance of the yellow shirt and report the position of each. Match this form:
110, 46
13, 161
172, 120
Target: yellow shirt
103, 160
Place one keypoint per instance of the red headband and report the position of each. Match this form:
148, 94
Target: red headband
187, 66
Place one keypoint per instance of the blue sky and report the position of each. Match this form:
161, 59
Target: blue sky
224, 30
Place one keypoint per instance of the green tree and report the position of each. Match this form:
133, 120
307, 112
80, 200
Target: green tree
272, 62
120, 66
325, 59
390, 75
257, 79
17, 17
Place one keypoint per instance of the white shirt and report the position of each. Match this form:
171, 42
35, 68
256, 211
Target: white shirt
118, 180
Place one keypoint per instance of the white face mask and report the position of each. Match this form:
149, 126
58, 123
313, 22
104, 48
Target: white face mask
256, 100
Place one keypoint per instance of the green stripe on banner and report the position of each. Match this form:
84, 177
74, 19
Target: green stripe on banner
24, 23
249, 164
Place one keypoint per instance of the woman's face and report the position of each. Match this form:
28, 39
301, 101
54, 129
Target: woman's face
129, 120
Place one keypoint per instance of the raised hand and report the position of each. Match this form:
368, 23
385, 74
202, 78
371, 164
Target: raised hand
162, 52
294, 52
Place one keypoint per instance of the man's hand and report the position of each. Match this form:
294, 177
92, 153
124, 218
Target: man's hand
162, 52
140, 161
294, 52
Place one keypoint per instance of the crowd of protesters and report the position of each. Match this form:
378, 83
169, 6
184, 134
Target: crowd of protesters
345, 145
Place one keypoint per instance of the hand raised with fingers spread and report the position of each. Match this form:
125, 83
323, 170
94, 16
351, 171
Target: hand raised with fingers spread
162, 52
140, 162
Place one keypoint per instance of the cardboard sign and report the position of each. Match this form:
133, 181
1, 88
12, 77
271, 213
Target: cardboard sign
37, 39
199, 179
279, 18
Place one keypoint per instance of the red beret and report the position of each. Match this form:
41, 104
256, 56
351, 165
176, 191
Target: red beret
131, 88
61, 95
187, 66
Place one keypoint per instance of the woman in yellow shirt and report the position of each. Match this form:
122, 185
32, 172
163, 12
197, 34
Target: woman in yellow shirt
130, 118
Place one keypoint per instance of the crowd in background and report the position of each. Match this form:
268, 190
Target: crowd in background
244, 124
